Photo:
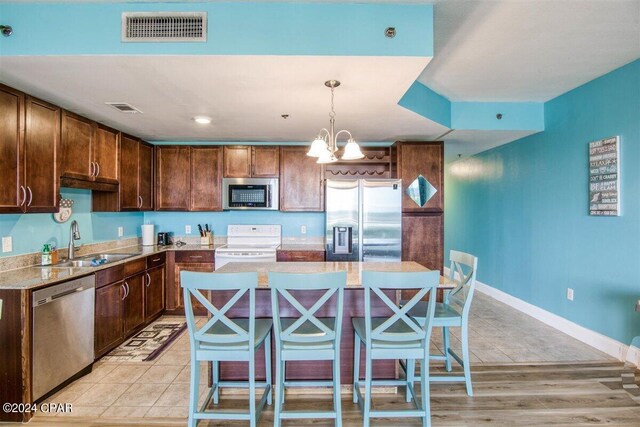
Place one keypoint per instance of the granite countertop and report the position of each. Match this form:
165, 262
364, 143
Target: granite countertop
354, 270
298, 246
35, 277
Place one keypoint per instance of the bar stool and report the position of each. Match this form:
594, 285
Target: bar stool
395, 337
308, 337
453, 312
225, 339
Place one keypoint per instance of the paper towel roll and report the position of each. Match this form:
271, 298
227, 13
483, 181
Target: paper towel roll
147, 235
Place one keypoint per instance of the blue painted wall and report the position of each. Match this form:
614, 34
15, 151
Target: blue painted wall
291, 221
522, 208
31, 231
292, 28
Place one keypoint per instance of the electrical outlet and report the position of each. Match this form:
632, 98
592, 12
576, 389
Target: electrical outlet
187, 229
303, 229
570, 294
120, 231
7, 244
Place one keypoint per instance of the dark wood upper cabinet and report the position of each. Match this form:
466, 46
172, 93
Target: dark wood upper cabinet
265, 161
173, 182
421, 158
129, 171
245, 161
76, 155
29, 142
145, 176
301, 181
237, 161
106, 154
206, 179
12, 193
41, 143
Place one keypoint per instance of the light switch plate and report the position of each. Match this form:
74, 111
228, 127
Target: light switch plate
570, 294
303, 229
120, 231
7, 244
187, 229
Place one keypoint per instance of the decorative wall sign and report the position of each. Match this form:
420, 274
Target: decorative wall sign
604, 177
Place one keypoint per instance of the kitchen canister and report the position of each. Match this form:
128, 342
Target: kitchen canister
148, 235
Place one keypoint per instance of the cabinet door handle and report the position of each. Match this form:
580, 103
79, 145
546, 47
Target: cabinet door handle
140, 202
195, 256
92, 169
30, 196
97, 168
24, 195
148, 280
155, 260
124, 292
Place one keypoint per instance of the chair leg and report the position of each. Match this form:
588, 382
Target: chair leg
445, 343
194, 391
252, 392
425, 392
411, 369
283, 378
215, 370
337, 405
466, 359
356, 367
267, 367
367, 396
279, 391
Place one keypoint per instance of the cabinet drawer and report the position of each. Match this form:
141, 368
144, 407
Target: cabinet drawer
195, 256
134, 267
293, 256
109, 275
156, 260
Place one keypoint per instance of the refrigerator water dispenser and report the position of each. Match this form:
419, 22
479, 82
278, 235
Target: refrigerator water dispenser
342, 240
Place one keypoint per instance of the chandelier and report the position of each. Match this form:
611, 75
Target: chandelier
325, 145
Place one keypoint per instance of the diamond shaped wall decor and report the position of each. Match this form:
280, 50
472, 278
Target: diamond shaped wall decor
421, 191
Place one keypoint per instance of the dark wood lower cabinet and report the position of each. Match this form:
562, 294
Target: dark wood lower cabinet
300, 256
109, 320
134, 302
154, 293
423, 242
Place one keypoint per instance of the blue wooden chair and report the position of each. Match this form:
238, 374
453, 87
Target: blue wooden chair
396, 337
308, 337
453, 312
225, 339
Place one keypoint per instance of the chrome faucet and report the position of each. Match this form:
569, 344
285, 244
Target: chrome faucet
74, 234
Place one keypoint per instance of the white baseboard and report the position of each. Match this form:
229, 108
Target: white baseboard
596, 340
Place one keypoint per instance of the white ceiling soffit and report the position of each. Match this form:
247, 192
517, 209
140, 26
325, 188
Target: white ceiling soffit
465, 143
244, 95
528, 50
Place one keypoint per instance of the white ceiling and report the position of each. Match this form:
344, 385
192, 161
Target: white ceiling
244, 95
503, 50
528, 50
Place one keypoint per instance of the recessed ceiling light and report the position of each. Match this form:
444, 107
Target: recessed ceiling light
202, 120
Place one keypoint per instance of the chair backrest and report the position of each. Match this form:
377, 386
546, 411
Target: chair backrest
425, 282
463, 272
226, 330
332, 283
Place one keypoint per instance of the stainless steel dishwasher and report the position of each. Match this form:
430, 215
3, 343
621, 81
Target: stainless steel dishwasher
63, 322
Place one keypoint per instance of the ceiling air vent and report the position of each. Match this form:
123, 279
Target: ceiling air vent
123, 107
164, 26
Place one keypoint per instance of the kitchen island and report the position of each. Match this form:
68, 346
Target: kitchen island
353, 307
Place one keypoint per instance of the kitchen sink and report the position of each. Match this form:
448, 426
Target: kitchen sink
88, 260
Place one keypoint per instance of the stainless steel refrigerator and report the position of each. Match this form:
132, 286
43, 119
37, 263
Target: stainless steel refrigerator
364, 220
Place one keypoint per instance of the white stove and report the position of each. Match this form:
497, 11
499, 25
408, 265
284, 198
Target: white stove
249, 243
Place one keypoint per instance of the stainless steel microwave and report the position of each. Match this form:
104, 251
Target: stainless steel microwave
250, 193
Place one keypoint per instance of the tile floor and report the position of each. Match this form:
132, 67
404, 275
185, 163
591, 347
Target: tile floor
159, 389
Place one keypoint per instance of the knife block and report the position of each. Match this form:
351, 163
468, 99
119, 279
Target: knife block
207, 239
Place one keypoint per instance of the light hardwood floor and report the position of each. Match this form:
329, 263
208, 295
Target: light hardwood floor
524, 373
